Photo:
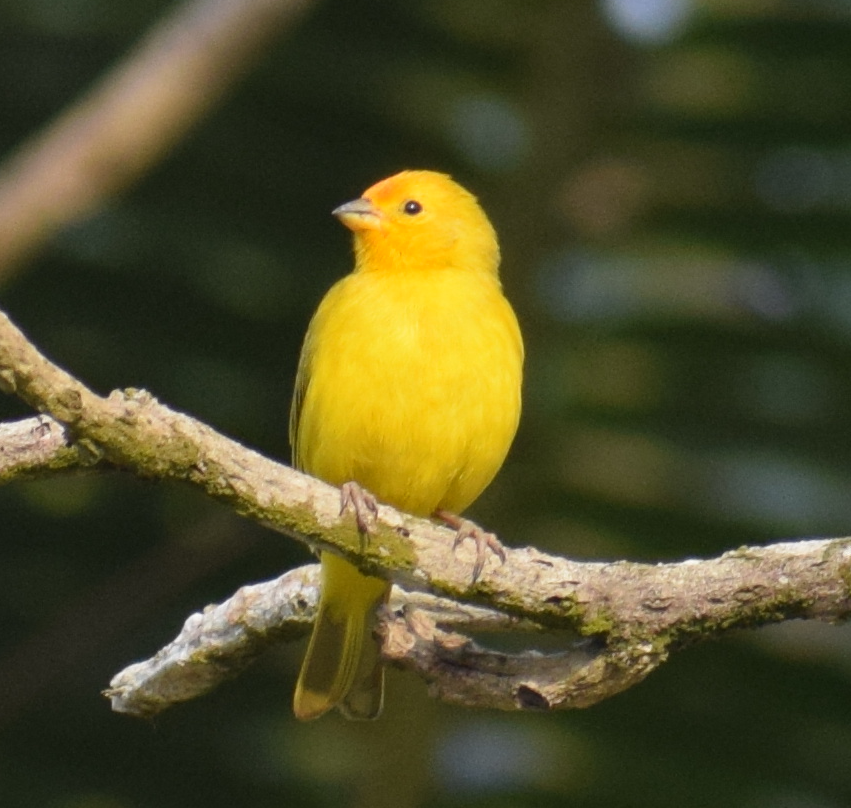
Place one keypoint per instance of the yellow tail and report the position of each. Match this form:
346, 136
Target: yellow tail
342, 667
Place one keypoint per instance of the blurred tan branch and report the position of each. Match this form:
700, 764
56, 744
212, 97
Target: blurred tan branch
131, 118
633, 615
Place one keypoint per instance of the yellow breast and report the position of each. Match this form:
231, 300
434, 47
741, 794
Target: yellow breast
410, 385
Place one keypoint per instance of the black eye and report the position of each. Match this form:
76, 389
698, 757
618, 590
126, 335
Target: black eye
412, 207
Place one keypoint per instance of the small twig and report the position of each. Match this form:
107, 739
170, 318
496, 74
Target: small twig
462, 672
218, 643
35, 447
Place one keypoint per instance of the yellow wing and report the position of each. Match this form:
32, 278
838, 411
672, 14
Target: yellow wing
342, 666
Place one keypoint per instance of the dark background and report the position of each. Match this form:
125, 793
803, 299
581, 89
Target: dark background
671, 181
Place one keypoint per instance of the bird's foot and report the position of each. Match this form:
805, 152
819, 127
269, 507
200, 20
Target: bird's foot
364, 505
465, 529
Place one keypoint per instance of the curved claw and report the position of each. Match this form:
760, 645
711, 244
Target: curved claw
364, 505
465, 529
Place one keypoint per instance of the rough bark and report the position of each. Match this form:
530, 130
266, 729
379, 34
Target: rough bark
630, 616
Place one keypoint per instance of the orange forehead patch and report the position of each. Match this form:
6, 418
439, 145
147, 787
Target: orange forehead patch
386, 190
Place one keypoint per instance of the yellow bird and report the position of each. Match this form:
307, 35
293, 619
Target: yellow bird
408, 391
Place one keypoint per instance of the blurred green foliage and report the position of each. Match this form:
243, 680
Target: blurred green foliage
670, 179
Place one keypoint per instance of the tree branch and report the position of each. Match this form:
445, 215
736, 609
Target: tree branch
636, 614
428, 635
218, 643
129, 120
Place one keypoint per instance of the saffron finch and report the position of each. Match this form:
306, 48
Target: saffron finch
408, 392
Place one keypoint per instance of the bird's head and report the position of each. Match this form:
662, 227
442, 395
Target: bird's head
420, 220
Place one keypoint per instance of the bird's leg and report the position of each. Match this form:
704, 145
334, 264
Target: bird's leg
364, 505
465, 529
